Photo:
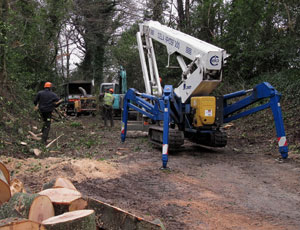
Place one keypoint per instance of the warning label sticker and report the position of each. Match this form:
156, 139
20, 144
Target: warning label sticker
208, 113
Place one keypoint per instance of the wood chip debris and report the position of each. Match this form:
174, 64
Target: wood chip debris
228, 126
37, 152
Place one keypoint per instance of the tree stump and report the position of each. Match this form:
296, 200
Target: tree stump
59, 182
76, 220
19, 224
34, 207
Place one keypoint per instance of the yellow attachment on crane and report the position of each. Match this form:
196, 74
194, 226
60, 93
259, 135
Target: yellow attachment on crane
205, 110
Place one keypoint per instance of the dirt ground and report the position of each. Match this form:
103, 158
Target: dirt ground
241, 186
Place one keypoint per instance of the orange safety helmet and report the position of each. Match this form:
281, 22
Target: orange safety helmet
111, 90
48, 85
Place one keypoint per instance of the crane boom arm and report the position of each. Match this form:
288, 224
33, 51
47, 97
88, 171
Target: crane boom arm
184, 44
200, 77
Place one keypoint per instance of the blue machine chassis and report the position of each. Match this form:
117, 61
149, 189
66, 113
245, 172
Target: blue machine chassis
169, 109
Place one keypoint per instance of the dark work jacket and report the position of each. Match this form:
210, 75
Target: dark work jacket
46, 100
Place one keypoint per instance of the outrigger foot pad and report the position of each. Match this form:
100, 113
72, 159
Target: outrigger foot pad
165, 168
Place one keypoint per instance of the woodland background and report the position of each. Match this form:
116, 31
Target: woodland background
40, 39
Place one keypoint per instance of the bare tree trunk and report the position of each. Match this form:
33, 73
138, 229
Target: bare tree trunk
157, 10
187, 14
290, 23
62, 59
68, 56
170, 16
181, 16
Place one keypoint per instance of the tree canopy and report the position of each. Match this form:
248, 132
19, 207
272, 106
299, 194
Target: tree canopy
38, 38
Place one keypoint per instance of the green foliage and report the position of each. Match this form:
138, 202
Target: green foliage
94, 21
35, 167
125, 53
75, 124
259, 38
32, 32
207, 20
287, 82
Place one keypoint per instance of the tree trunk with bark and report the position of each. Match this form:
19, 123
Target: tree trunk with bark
110, 217
19, 224
59, 182
34, 207
76, 220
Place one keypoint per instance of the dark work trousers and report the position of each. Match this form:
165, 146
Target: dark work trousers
46, 116
108, 115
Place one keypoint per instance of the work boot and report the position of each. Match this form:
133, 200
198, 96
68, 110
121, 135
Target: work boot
45, 134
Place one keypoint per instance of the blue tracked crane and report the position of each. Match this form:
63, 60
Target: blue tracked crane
187, 111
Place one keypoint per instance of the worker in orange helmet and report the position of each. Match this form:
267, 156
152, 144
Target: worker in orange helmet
46, 101
108, 102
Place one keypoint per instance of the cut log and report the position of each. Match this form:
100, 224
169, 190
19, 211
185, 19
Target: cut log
34, 207
61, 198
110, 217
4, 192
19, 224
16, 186
77, 220
4, 184
59, 182
5, 172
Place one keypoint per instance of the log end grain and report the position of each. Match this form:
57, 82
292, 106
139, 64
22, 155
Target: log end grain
41, 209
61, 195
5, 193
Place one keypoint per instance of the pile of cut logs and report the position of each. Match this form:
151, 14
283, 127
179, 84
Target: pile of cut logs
59, 206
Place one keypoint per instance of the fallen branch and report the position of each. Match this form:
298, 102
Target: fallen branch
34, 136
53, 141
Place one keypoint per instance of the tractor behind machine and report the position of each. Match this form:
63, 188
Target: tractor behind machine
78, 98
